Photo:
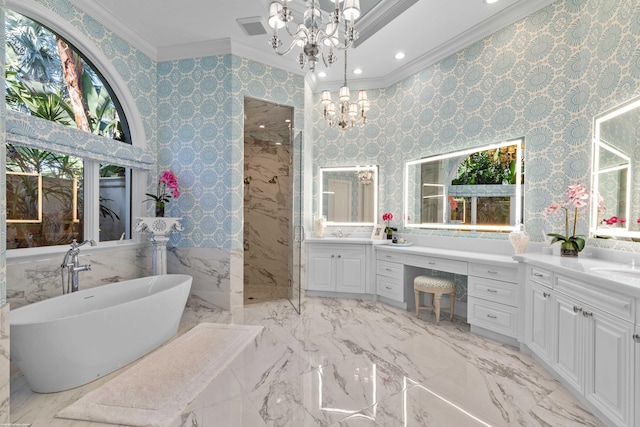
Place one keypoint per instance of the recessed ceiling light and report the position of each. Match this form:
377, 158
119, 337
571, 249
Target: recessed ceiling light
490, 1
287, 121
357, 71
322, 74
261, 126
400, 55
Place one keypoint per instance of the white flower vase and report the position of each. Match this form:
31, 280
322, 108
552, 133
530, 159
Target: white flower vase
519, 240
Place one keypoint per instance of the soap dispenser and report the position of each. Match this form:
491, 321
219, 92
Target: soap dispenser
519, 239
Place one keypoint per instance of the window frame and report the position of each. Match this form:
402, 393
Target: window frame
117, 86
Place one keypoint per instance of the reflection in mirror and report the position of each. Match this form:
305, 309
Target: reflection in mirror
616, 136
349, 195
476, 189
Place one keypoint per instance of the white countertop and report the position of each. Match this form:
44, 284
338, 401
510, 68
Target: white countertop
360, 240
627, 280
496, 259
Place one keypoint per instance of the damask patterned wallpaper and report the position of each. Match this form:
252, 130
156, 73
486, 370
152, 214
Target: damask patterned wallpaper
200, 133
544, 78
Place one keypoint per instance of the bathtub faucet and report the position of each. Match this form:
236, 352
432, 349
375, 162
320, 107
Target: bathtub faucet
70, 264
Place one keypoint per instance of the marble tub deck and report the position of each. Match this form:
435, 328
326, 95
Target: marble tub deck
352, 363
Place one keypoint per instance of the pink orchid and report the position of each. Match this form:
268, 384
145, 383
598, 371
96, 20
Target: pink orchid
167, 188
577, 199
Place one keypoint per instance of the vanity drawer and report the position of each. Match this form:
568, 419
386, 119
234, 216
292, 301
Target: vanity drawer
390, 287
389, 269
493, 290
540, 276
440, 264
504, 273
390, 256
495, 317
616, 304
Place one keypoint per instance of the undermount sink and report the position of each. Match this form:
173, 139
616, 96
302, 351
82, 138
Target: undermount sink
632, 271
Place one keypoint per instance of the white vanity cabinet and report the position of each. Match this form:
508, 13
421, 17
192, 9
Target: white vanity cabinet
538, 333
636, 340
340, 267
493, 298
593, 352
585, 335
390, 277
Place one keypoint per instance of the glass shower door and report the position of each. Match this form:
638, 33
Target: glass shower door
295, 282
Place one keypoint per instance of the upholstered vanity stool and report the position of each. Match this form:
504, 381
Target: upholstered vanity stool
436, 286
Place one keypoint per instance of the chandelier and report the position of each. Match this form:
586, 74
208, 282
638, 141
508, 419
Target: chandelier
317, 29
365, 177
345, 113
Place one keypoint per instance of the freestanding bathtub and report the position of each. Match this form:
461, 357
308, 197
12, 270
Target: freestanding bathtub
73, 339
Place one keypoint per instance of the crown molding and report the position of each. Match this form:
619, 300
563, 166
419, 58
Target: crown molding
504, 18
194, 50
110, 20
508, 16
368, 25
380, 16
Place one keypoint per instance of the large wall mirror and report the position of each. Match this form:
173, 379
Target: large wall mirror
615, 161
349, 195
477, 189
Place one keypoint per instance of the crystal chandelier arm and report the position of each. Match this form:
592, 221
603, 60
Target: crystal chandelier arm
276, 43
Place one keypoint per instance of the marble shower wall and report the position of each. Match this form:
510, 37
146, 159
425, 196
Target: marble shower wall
267, 214
210, 269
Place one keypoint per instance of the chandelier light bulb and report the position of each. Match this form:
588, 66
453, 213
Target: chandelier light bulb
318, 30
353, 110
344, 94
332, 35
275, 9
351, 9
326, 97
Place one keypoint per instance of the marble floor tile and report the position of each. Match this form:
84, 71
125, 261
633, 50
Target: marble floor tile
352, 363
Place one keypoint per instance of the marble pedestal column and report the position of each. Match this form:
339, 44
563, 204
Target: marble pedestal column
158, 230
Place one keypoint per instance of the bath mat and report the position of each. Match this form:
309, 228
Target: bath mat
156, 390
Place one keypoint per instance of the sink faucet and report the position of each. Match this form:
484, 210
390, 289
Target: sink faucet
72, 267
340, 233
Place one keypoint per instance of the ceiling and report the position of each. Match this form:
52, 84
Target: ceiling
426, 30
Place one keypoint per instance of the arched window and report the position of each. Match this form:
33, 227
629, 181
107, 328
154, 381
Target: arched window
52, 197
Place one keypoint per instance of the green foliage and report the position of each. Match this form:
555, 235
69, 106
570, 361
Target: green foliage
577, 242
34, 80
484, 168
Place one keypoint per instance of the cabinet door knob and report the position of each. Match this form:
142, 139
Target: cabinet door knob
333, 256
636, 338
587, 314
577, 309
492, 290
492, 272
492, 316
546, 295
339, 256
538, 274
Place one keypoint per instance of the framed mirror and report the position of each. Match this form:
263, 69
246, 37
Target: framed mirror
349, 195
477, 189
615, 142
